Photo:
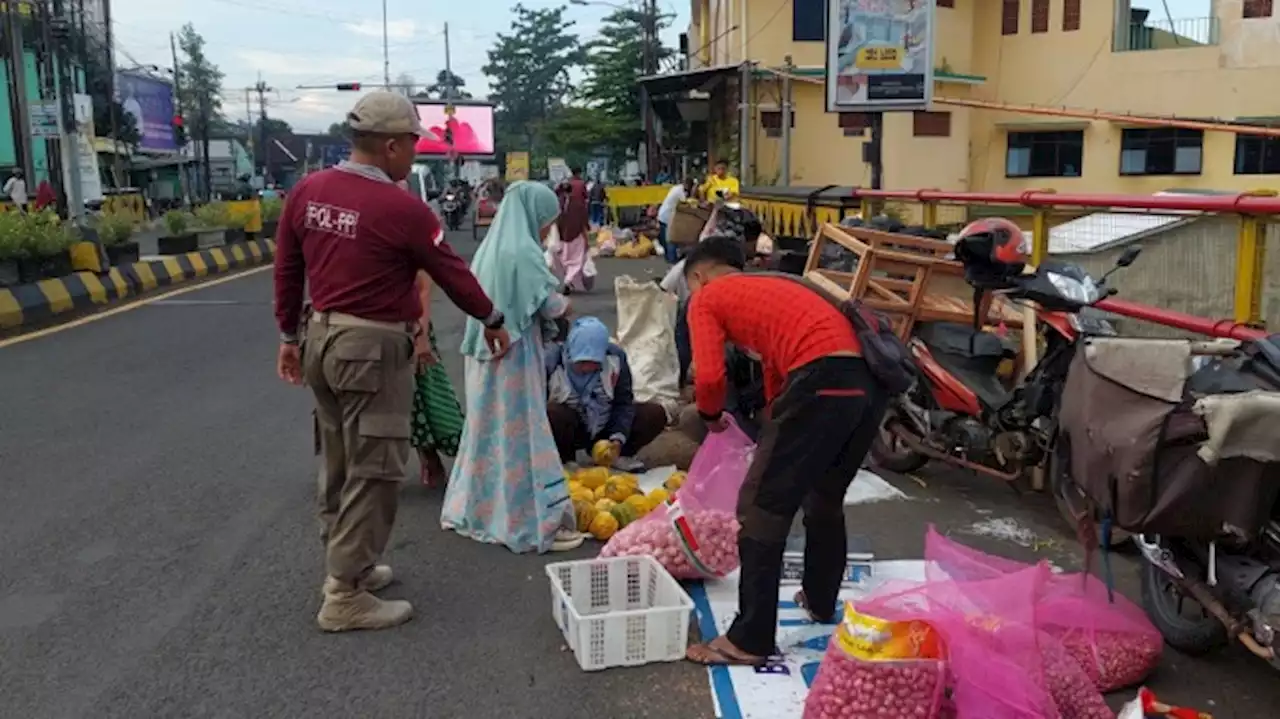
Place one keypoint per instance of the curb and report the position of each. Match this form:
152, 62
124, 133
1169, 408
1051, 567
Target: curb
40, 301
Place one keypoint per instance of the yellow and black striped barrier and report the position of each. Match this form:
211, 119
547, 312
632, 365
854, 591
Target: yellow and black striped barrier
40, 301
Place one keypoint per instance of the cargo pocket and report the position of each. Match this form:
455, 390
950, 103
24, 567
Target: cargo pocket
383, 451
357, 367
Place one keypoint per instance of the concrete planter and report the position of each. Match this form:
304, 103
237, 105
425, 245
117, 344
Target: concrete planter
234, 235
210, 238
122, 253
177, 244
10, 274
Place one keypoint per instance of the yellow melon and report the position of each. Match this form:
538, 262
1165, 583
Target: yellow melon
603, 453
592, 477
603, 526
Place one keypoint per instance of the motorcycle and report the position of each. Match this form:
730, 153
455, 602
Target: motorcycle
451, 206
960, 411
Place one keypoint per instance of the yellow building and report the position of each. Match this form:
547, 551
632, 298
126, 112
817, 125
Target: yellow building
1100, 55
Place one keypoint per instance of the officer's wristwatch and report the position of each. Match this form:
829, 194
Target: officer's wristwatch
288, 338
495, 321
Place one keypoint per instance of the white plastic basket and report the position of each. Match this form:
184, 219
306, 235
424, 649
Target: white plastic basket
620, 612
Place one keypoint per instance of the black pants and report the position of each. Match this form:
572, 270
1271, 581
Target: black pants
810, 449
571, 433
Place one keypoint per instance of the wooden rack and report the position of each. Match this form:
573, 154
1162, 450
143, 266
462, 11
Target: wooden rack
909, 279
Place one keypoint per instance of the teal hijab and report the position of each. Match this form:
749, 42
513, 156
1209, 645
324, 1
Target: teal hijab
510, 264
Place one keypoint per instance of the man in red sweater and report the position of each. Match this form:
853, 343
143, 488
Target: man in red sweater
825, 408
357, 241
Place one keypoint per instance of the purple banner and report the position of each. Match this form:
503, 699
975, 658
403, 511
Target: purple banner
150, 101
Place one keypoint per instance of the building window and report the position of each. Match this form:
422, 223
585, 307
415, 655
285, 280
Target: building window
1009, 17
1070, 15
808, 20
1045, 154
1039, 15
771, 121
1257, 8
931, 124
1161, 152
1257, 155
854, 124
946, 3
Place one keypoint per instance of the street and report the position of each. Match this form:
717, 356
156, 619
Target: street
159, 551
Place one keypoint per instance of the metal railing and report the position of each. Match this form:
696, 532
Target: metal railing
1152, 34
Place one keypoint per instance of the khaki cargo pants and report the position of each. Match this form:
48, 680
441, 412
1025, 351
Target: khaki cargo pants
362, 376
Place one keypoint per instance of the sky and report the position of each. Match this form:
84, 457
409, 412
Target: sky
324, 42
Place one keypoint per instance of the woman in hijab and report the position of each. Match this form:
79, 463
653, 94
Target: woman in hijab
589, 398
570, 258
508, 485
437, 416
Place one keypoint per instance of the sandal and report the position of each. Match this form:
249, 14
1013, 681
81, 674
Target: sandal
803, 602
710, 655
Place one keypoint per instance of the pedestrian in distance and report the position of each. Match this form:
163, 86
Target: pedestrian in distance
825, 409
15, 188
599, 197
667, 214
590, 398
507, 486
569, 260
357, 242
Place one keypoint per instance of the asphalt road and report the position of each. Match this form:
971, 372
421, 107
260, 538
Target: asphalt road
159, 553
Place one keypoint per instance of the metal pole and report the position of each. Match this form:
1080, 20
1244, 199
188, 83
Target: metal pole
786, 122
874, 149
262, 89
184, 176
386, 55
116, 170
744, 122
22, 102
68, 134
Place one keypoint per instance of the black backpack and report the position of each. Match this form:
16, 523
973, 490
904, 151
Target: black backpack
886, 355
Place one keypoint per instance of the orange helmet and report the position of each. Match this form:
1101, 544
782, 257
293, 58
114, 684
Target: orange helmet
993, 240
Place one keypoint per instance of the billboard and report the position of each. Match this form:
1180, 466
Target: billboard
471, 126
150, 101
517, 166
879, 55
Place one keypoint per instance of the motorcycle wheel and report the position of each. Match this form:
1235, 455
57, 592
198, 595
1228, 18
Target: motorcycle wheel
1192, 632
890, 452
1068, 497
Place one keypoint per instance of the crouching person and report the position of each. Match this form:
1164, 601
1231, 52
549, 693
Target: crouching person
589, 397
824, 410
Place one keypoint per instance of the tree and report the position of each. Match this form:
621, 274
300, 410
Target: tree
406, 85
529, 72
200, 83
615, 62
337, 129
448, 86
274, 126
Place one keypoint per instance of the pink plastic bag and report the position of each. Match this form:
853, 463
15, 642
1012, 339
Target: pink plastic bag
991, 641
695, 534
1113, 641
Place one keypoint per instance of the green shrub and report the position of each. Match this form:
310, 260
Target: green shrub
114, 228
46, 235
272, 207
177, 222
12, 236
213, 216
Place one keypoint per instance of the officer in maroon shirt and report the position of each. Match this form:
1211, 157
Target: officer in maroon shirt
357, 242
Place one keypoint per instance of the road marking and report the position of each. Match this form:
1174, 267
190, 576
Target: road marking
129, 307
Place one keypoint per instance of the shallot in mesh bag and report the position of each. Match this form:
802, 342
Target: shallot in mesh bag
1108, 635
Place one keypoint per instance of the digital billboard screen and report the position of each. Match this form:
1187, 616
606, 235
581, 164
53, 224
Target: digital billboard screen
471, 126
150, 101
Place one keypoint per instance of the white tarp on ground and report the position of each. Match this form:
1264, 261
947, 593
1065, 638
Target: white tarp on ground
779, 690
866, 488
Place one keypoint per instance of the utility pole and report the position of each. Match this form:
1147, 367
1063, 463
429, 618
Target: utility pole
69, 136
18, 97
386, 56
110, 66
648, 32
262, 90
786, 121
183, 176
448, 68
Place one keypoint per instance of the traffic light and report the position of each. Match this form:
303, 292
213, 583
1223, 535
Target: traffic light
179, 131
352, 86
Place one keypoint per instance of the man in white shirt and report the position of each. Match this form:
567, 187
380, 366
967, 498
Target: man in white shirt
667, 213
16, 189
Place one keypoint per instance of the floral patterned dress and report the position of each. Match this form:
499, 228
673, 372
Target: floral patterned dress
507, 486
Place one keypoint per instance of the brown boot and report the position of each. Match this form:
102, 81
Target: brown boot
348, 610
377, 579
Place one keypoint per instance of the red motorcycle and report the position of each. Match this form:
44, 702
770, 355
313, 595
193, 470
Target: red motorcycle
960, 411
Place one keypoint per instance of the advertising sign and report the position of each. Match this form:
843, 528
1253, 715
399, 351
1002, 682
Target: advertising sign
558, 170
470, 127
879, 55
150, 101
86, 156
517, 166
